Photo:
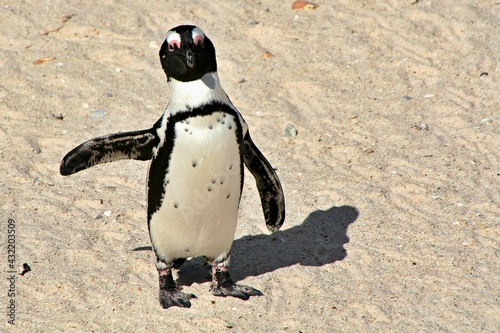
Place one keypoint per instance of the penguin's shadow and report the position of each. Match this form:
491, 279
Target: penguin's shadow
318, 241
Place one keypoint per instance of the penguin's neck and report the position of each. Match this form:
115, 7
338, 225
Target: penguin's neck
193, 94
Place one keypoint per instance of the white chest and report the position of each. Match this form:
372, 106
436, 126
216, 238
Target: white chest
199, 211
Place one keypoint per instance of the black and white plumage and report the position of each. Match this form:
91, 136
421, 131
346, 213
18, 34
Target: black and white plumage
198, 149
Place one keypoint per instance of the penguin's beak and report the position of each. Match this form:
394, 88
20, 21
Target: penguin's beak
190, 58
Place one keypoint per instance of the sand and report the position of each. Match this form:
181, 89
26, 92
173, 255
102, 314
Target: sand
392, 181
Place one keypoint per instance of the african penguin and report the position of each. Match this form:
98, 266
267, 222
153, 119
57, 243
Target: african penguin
197, 151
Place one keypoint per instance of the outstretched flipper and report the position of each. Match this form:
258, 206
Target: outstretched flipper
268, 184
130, 145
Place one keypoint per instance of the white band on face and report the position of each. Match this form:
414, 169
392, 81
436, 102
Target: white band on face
198, 36
173, 38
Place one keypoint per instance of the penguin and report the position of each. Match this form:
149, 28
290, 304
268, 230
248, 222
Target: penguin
198, 150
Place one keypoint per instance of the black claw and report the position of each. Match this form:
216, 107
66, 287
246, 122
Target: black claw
174, 297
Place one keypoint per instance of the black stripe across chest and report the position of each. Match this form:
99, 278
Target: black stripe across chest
199, 123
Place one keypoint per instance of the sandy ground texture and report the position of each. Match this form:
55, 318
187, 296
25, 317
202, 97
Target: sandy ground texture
392, 181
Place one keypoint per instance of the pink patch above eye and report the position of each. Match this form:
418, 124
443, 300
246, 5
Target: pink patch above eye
173, 44
199, 40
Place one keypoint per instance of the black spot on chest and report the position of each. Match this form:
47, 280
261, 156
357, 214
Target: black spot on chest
160, 164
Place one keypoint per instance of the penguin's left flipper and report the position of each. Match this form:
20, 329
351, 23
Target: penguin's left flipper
268, 184
130, 145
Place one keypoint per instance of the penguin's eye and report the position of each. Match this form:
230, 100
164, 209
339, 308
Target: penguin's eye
199, 41
174, 44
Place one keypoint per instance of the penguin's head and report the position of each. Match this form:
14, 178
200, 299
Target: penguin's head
187, 54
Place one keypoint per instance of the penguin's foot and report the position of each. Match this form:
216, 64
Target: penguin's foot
223, 285
236, 290
170, 294
174, 297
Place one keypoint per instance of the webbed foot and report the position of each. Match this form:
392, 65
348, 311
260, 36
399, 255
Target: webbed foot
236, 290
223, 285
174, 297
170, 294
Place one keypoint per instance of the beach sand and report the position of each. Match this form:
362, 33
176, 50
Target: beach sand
392, 181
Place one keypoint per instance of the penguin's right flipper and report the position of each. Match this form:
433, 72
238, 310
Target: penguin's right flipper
130, 145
